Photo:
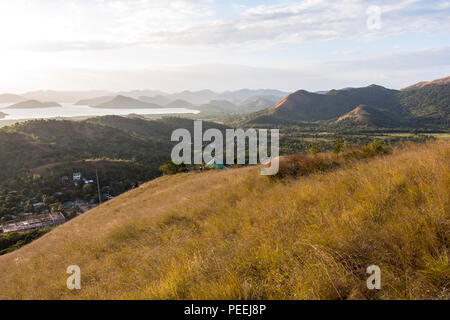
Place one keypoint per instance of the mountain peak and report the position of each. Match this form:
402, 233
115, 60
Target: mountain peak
426, 83
358, 115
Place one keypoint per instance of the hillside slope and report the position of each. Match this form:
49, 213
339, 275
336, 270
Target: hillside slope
416, 106
35, 143
235, 234
40, 142
422, 84
307, 106
125, 102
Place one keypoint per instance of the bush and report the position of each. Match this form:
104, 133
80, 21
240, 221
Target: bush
338, 146
303, 165
172, 168
313, 150
375, 148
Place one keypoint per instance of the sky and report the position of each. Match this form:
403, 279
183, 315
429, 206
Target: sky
175, 45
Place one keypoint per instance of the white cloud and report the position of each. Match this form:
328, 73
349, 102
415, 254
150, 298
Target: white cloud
39, 38
107, 24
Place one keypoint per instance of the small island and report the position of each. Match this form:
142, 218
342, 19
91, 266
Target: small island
123, 102
34, 104
3, 115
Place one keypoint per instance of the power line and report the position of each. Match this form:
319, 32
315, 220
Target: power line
98, 188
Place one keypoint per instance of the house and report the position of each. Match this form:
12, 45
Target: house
108, 196
215, 164
37, 204
35, 222
77, 176
68, 204
80, 203
65, 180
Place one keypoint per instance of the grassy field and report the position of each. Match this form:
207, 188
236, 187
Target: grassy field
234, 234
437, 135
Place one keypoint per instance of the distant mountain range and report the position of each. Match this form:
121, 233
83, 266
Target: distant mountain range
125, 102
63, 96
179, 104
159, 100
94, 101
423, 104
247, 105
240, 101
10, 98
236, 102
152, 96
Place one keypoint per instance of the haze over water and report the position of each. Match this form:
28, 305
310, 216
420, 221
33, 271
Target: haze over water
70, 110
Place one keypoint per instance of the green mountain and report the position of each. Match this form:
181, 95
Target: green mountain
35, 143
426, 105
256, 103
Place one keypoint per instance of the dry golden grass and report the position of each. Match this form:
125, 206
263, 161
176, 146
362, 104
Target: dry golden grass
236, 235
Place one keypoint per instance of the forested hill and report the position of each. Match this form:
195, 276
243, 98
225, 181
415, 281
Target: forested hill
35, 143
412, 107
428, 103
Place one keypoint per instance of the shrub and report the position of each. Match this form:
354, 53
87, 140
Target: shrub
303, 165
171, 168
313, 150
338, 146
374, 148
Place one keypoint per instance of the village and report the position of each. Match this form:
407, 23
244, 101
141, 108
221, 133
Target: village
49, 211
34, 222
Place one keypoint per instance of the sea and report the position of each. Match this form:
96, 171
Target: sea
70, 110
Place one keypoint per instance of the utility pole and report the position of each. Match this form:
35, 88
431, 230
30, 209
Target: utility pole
98, 188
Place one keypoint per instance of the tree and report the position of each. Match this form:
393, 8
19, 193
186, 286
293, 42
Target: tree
45, 199
171, 168
338, 146
313, 150
377, 146
28, 207
88, 190
57, 207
